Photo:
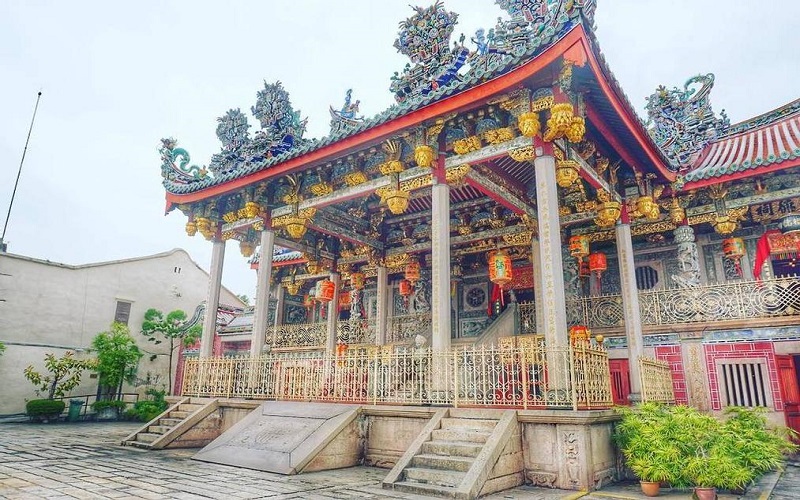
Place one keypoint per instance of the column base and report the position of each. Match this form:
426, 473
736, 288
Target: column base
635, 397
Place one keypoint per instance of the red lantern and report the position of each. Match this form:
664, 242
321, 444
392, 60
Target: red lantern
406, 288
579, 333
341, 350
579, 247
357, 280
597, 262
733, 248
344, 300
326, 291
412, 271
500, 271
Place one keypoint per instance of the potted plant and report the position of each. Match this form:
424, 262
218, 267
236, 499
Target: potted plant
63, 375
647, 436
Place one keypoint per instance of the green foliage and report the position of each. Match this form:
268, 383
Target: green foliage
171, 328
2, 348
117, 356
64, 374
147, 409
109, 403
46, 408
682, 446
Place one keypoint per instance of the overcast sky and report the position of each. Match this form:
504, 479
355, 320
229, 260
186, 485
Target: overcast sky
116, 77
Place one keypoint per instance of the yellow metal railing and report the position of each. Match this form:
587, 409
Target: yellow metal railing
528, 375
656, 381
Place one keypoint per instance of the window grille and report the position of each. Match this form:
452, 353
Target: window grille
123, 312
744, 382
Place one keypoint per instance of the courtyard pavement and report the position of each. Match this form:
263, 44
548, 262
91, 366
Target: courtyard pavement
84, 460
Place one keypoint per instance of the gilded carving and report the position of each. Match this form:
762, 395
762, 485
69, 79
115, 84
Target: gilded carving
518, 239
321, 189
526, 153
456, 175
498, 135
355, 178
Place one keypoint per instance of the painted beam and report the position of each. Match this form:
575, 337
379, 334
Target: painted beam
499, 193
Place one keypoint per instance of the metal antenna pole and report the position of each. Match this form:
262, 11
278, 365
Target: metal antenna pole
19, 172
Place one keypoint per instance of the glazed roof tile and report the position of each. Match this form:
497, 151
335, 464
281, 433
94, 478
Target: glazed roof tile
770, 139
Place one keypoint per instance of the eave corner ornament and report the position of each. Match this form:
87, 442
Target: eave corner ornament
346, 119
175, 166
682, 123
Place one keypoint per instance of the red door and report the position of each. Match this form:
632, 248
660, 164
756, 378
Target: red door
787, 373
620, 381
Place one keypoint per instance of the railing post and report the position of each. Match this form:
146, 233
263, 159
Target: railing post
455, 378
524, 367
376, 375
573, 378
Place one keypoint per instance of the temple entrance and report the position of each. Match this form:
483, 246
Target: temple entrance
790, 387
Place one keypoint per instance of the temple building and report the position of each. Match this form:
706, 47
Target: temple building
509, 234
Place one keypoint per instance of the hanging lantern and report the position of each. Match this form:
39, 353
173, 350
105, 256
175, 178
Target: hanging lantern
251, 209
529, 124
246, 248
676, 213
357, 280
295, 227
608, 213
406, 288
344, 300
645, 206
597, 262
579, 333
567, 172
789, 224
733, 249
412, 271
327, 290
579, 246
191, 228
500, 271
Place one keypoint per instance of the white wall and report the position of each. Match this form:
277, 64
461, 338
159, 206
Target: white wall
50, 307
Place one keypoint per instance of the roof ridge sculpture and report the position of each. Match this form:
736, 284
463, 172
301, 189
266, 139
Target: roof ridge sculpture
764, 119
514, 42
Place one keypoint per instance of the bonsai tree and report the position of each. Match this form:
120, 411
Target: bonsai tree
63, 375
117, 359
173, 329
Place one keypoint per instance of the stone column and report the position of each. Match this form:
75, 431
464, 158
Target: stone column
537, 285
280, 292
212, 301
551, 269
333, 314
382, 305
440, 267
262, 293
688, 257
630, 307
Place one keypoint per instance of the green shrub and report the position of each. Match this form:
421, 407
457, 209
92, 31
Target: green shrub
109, 403
44, 408
148, 409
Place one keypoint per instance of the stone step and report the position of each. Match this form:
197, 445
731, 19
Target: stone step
468, 435
169, 422
189, 407
422, 489
452, 448
438, 477
469, 423
146, 437
158, 429
180, 415
440, 462
138, 444
479, 413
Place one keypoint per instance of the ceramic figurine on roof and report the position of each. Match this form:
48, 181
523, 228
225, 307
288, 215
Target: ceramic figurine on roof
682, 122
425, 39
346, 119
232, 133
180, 172
281, 126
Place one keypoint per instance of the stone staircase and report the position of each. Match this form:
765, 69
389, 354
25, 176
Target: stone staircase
457, 455
156, 433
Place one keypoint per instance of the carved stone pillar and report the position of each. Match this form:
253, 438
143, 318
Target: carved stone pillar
630, 307
333, 314
261, 311
212, 300
537, 285
440, 267
382, 305
550, 270
688, 257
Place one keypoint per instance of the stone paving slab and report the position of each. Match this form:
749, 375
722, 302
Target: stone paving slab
84, 461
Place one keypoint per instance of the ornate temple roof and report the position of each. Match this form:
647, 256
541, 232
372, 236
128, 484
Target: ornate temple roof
769, 140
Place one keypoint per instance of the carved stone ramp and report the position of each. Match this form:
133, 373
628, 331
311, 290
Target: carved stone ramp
289, 438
